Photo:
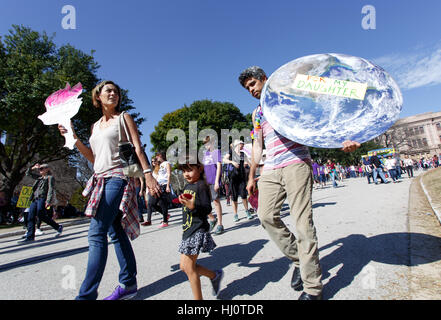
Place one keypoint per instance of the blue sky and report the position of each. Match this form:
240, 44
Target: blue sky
171, 53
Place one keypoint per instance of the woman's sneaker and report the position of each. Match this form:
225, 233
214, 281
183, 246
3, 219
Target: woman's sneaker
216, 282
59, 231
249, 215
38, 232
163, 225
212, 223
24, 241
219, 230
122, 294
236, 218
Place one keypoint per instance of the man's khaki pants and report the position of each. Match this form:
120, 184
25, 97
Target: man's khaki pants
293, 183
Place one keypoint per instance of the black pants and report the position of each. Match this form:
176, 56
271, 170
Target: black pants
409, 170
238, 188
159, 204
369, 175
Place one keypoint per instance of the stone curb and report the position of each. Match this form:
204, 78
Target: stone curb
435, 209
65, 224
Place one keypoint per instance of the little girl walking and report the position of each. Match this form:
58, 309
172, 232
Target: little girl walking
196, 238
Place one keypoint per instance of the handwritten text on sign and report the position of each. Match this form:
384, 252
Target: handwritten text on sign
323, 85
23, 199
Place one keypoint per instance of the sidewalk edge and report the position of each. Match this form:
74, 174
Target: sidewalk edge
436, 210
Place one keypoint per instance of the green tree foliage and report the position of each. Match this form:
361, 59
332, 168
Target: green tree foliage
77, 200
208, 114
31, 68
337, 155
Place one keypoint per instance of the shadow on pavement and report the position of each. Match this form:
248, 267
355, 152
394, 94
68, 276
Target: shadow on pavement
42, 258
40, 242
243, 223
356, 251
220, 258
323, 204
285, 208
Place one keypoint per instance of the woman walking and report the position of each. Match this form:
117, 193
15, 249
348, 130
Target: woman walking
163, 178
152, 202
112, 204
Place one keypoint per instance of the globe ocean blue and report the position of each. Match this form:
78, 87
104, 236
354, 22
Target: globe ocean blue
322, 100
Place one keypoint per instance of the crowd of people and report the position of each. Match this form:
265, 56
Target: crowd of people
117, 202
225, 178
375, 168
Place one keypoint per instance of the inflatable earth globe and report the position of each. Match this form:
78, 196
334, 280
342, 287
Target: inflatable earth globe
324, 99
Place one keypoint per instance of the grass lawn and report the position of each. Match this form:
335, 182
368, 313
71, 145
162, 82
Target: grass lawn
432, 183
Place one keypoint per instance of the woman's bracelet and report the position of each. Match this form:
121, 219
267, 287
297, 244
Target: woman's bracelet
147, 171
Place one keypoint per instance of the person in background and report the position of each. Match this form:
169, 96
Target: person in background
377, 169
322, 175
315, 172
435, 161
151, 201
408, 163
163, 178
332, 172
140, 192
42, 197
391, 164
339, 170
238, 177
398, 169
367, 168
212, 162
226, 181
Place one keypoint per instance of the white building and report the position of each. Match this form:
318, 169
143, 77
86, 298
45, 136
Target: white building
418, 136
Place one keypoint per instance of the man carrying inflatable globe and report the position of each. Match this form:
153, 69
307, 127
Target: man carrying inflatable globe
287, 175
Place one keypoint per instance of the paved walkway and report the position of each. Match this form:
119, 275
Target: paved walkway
363, 233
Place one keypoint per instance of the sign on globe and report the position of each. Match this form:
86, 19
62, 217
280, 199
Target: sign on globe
339, 88
323, 100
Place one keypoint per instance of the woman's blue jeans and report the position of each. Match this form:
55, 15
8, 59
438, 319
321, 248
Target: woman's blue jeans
108, 221
37, 209
333, 177
393, 174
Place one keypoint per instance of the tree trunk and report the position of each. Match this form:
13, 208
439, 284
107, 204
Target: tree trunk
10, 182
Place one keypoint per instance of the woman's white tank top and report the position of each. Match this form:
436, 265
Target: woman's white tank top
104, 144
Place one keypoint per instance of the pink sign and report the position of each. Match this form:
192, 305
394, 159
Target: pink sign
61, 106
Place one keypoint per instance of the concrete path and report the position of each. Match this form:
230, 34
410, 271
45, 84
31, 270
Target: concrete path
363, 233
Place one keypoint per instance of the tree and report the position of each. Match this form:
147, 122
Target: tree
208, 114
337, 155
396, 137
31, 68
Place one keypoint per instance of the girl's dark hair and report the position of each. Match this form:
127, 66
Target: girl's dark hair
189, 164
